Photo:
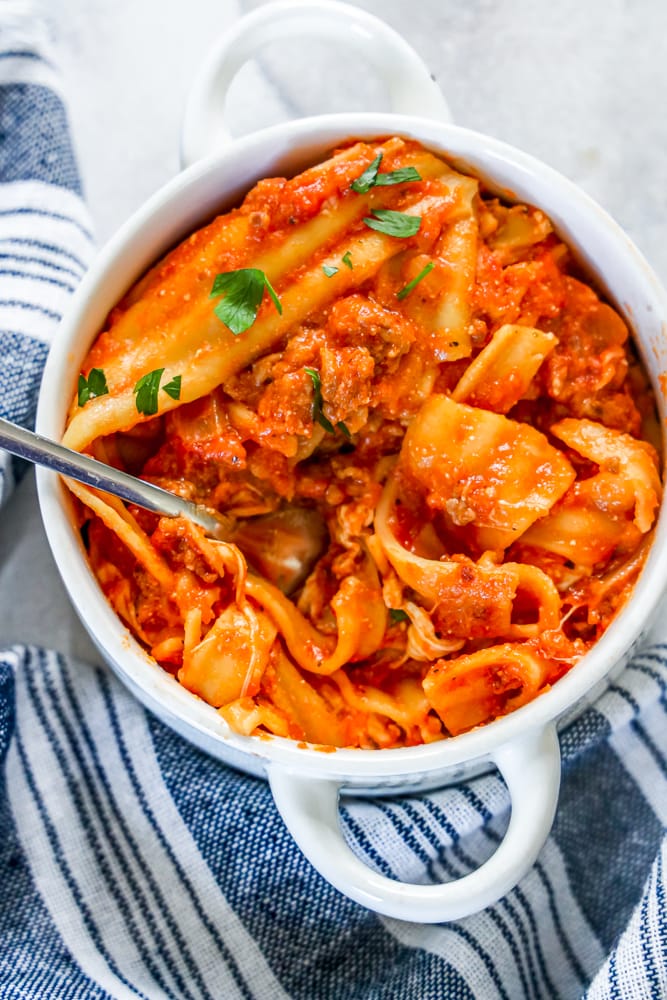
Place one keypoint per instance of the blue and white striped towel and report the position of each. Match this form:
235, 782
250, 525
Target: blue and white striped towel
132, 865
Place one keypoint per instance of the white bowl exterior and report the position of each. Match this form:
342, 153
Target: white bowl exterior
189, 201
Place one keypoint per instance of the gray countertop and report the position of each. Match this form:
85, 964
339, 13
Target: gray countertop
581, 85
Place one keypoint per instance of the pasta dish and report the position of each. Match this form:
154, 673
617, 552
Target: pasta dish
427, 437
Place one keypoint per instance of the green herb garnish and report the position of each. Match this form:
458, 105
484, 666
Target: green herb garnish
400, 176
398, 615
329, 271
318, 415
173, 388
146, 391
394, 223
243, 291
371, 178
93, 386
347, 260
415, 281
366, 180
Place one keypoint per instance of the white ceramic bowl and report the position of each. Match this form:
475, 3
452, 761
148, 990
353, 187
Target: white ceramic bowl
305, 782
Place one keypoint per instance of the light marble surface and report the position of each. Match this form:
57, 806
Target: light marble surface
581, 85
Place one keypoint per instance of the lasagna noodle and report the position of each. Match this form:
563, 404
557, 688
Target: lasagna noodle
114, 516
503, 371
493, 476
621, 454
190, 341
476, 593
470, 690
361, 619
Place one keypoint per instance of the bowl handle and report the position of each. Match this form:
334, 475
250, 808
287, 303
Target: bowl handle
412, 89
530, 766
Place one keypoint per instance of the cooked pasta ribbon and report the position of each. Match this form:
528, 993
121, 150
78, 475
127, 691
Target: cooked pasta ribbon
503, 371
473, 689
491, 476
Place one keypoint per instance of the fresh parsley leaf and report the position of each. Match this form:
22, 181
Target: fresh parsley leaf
394, 223
97, 382
314, 378
415, 281
398, 615
400, 176
146, 391
318, 415
366, 180
347, 260
93, 386
243, 292
324, 421
173, 388
372, 178
329, 271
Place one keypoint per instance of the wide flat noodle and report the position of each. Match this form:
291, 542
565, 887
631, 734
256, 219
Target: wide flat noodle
493, 477
173, 325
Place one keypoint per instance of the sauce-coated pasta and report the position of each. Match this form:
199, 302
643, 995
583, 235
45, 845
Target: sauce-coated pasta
429, 437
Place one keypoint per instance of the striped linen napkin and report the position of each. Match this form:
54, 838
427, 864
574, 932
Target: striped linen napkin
132, 865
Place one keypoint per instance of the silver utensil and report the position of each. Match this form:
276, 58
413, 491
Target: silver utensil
283, 545
42, 451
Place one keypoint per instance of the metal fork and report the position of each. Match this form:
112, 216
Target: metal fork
42, 451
